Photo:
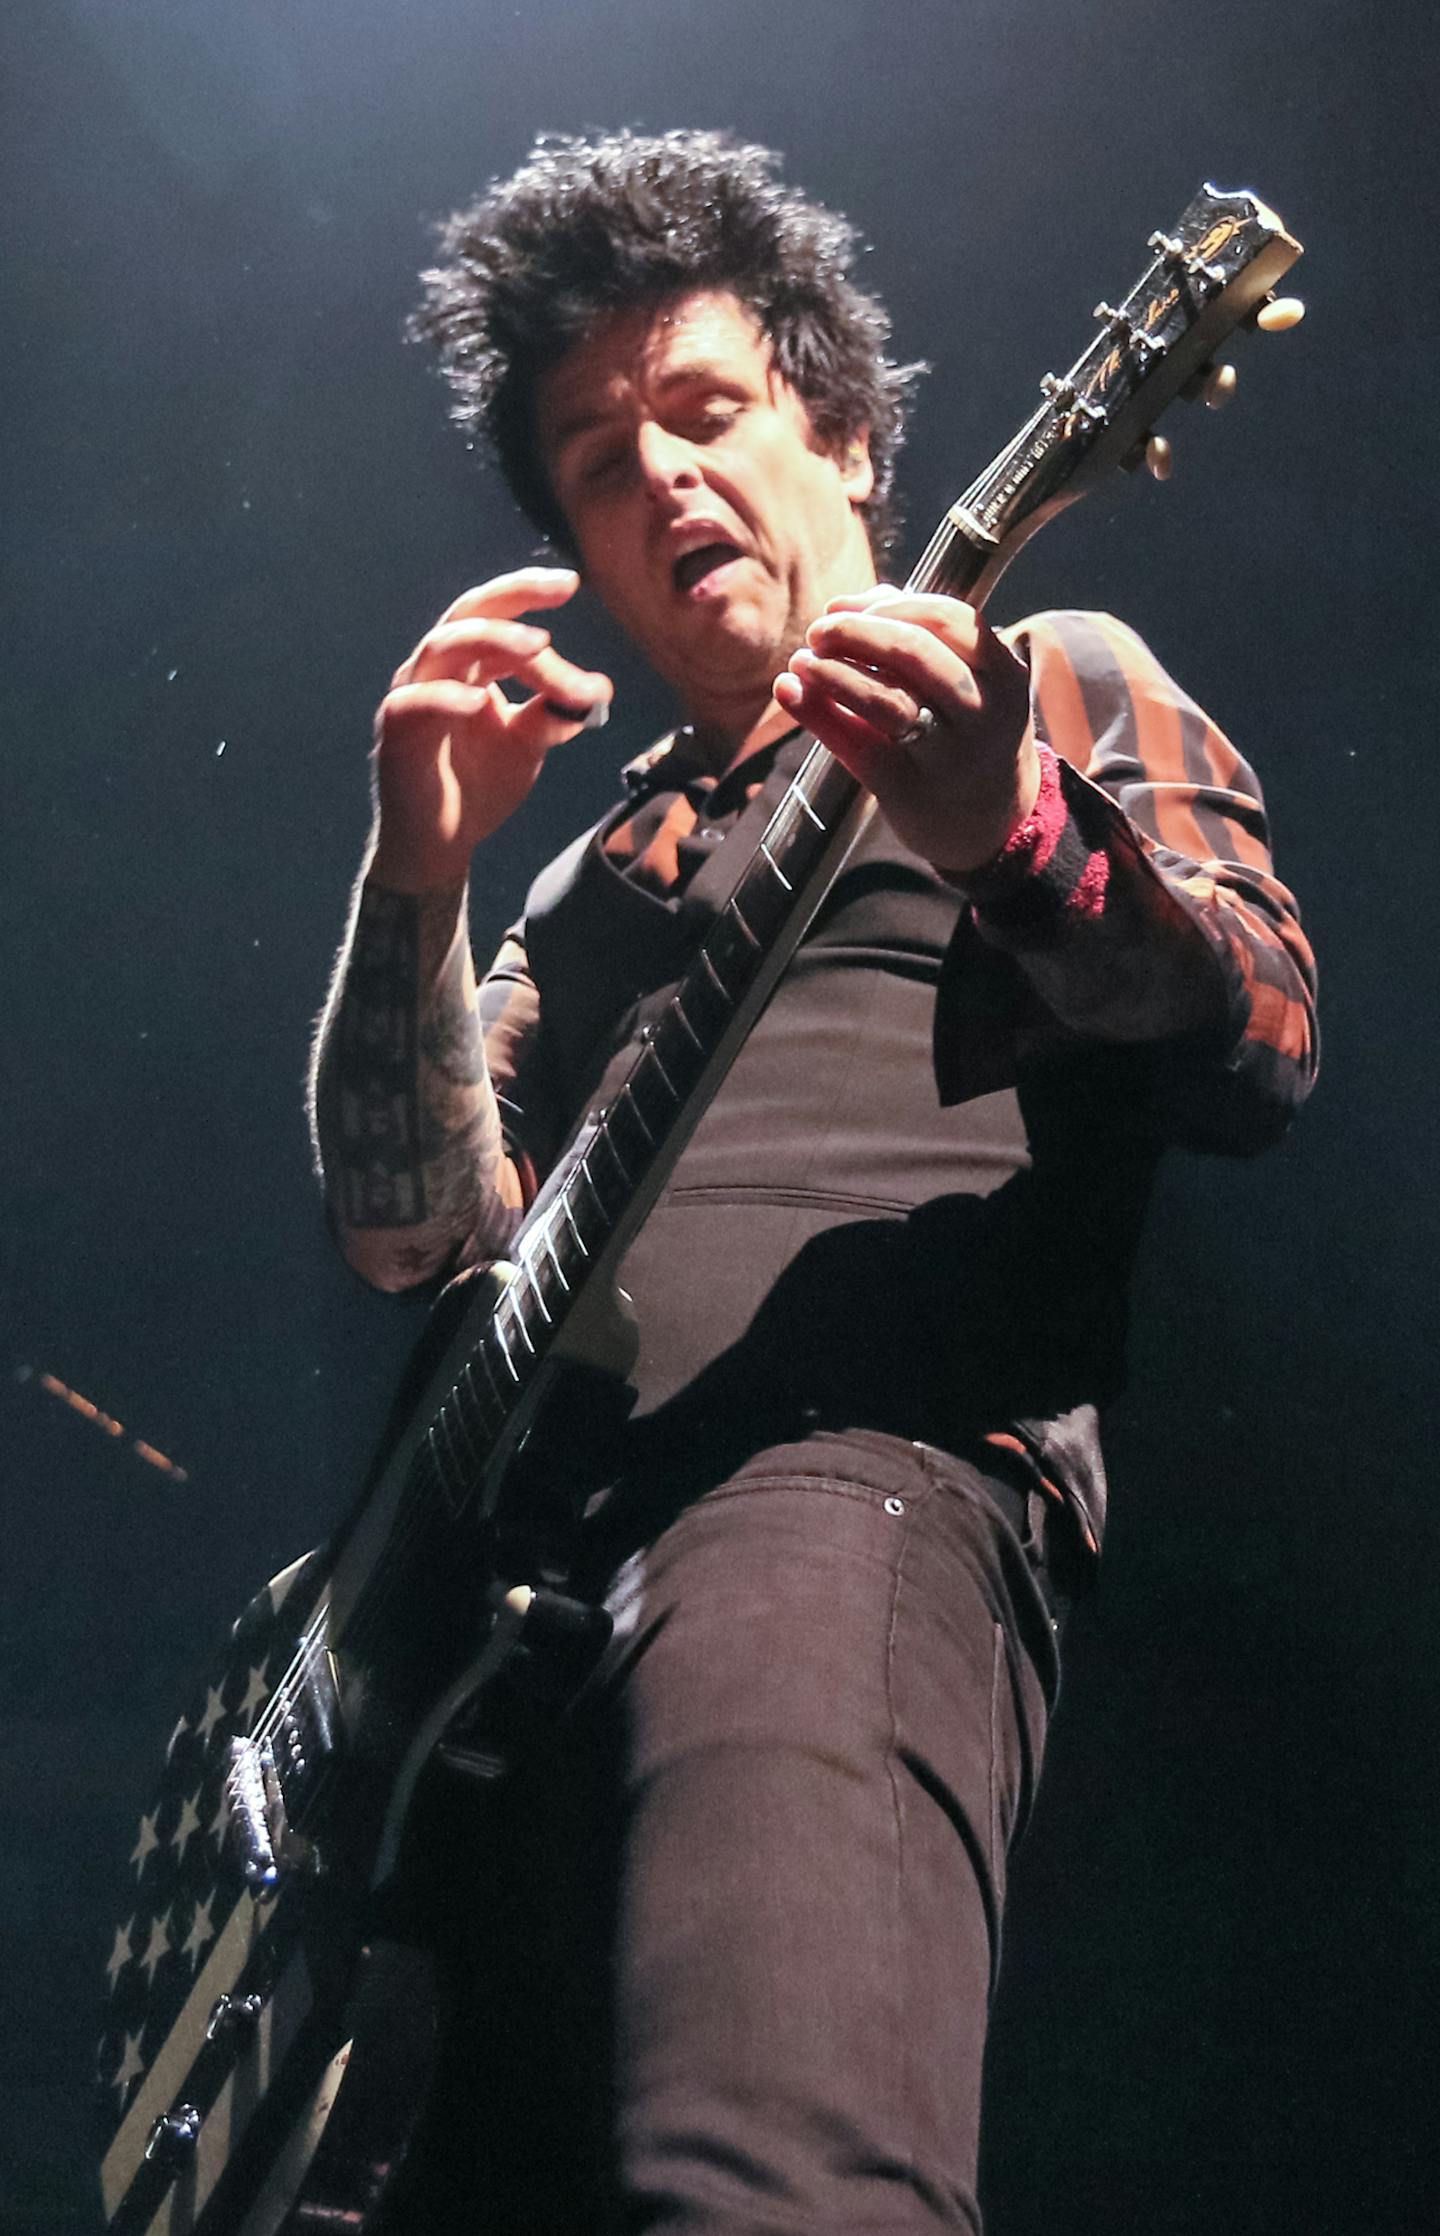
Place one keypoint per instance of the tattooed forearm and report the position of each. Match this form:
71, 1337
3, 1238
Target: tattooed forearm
406, 1125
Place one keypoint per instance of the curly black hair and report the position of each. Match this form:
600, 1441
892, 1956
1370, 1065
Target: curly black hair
587, 229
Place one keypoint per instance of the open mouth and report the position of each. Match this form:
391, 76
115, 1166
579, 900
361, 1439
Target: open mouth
696, 567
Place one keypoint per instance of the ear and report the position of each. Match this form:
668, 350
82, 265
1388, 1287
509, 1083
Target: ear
857, 475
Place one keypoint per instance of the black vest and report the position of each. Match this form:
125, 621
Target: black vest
835, 1245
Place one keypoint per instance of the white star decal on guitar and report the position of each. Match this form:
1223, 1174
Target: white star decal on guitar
121, 1954
156, 1948
187, 1827
201, 1933
145, 1845
255, 1693
214, 1714
131, 2065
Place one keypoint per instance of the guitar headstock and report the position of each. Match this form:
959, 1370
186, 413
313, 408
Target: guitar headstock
1213, 274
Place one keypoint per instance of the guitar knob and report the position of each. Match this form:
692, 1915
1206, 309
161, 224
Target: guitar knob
233, 2014
1159, 458
1278, 313
1220, 387
173, 2137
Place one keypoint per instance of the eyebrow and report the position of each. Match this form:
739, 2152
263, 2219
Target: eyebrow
588, 416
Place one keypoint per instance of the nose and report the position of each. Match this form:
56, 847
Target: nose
667, 461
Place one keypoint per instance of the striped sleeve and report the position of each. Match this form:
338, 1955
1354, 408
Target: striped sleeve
1139, 900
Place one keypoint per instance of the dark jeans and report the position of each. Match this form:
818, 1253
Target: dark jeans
735, 1937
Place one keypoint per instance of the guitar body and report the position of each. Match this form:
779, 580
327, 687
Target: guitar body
253, 2012
270, 2027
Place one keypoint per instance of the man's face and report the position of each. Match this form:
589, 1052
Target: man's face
705, 515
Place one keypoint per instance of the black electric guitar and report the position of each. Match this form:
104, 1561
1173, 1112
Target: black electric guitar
247, 2087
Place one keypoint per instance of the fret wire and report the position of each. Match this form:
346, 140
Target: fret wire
633, 1106
584, 1173
775, 866
512, 1305
733, 908
570, 1216
604, 1134
504, 1346
529, 1271
432, 1442
553, 1253
472, 1448
452, 1458
464, 1382
455, 1405
666, 1081
501, 1406
716, 979
677, 1009
799, 794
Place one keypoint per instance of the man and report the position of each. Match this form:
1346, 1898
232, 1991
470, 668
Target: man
883, 1294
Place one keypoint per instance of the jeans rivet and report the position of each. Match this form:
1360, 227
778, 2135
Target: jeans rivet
894, 1505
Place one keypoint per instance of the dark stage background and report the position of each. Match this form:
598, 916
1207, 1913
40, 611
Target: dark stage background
232, 501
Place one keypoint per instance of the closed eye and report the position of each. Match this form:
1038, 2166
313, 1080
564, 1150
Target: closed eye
713, 419
602, 465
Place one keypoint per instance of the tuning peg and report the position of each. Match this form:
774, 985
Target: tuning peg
1159, 458
1213, 385
1278, 313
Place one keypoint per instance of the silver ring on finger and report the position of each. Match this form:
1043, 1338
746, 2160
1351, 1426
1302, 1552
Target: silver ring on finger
919, 730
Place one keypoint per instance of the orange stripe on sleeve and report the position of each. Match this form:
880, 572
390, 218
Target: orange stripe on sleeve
1058, 696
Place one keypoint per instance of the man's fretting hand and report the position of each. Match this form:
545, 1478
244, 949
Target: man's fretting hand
454, 756
871, 667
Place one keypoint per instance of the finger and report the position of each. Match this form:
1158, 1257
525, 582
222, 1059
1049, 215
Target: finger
889, 712
571, 693
505, 596
851, 739
546, 721
960, 625
874, 594
473, 651
481, 652
461, 702
903, 654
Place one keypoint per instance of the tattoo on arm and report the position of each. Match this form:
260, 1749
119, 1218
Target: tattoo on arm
405, 1120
